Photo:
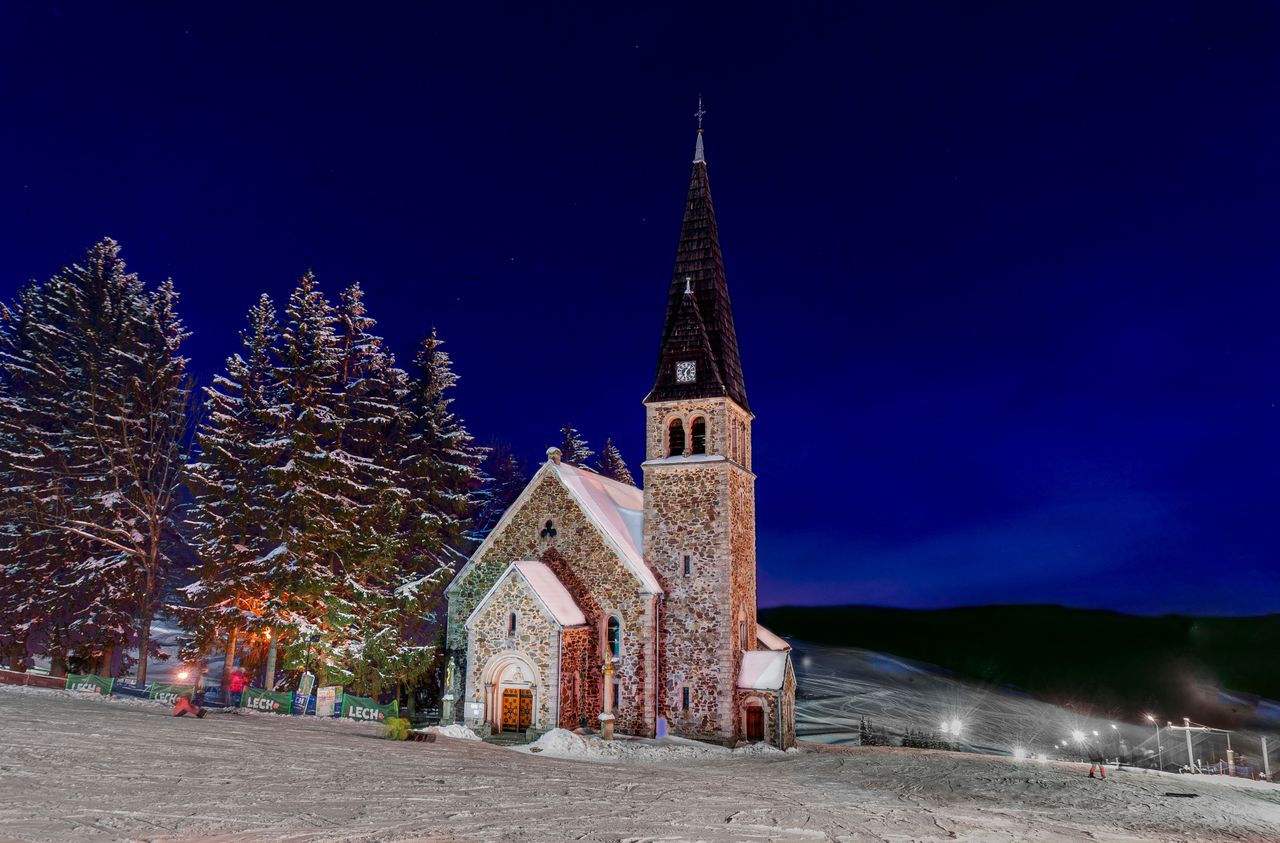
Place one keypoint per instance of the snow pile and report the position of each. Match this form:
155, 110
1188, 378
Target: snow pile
758, 749
453, 730
561, 743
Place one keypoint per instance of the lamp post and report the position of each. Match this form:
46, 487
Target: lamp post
1159, 748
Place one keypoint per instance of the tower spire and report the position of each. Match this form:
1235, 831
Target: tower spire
698, 332
698, 154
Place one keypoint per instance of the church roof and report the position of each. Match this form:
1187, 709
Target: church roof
763, 670
546, 586
699, 322
770, 641
615, 509
618, 510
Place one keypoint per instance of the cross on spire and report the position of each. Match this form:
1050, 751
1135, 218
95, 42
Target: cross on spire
700, 113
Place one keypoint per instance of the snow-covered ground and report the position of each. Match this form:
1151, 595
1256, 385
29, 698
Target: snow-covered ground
82, 768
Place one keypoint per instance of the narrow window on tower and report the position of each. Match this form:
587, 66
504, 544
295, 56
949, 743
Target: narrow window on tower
617, 693
675, 438
698, 435
684, 698
688, 564
613, 637
511, 625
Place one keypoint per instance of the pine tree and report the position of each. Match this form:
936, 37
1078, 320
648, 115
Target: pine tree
610, 464
574, 449
235, 516
93, 421
441, 464
504, 480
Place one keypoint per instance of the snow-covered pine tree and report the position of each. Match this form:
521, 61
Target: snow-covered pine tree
573, 448
312, 488
235, 518
93, 419
441, 466
374, 647
610, 464
505, 477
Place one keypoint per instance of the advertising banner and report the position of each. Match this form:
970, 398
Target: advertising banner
276, 702
363, 708
89, 682
168, 694
326, 699
306, 684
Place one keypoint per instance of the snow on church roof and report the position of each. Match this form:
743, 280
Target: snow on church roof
763, 670
546, 586
769, 640
551, 592
618, 509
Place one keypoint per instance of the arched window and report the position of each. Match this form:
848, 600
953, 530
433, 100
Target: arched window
613, 637
698, 435
675, 438
511, 625
548, 531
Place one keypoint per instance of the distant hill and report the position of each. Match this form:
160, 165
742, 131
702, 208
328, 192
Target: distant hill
1174, 665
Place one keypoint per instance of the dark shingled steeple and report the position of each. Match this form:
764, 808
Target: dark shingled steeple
699, 324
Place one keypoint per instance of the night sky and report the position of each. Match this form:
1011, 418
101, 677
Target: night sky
1006, 277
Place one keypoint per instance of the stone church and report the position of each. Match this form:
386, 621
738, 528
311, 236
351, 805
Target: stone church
594, 601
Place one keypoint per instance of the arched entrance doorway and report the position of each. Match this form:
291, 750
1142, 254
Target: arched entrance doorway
511, 684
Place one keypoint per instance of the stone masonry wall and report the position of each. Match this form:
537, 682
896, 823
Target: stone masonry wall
536, 639
685, 513
595, 576
789, 707
579, 687
728, 428
705, 509
742, 549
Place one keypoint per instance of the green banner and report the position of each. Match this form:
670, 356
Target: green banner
89, 682
259, 699
168, 694
363, 708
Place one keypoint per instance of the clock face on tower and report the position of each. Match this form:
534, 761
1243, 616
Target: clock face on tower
686, 371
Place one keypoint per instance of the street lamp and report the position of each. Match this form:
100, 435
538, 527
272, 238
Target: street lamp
1159, 748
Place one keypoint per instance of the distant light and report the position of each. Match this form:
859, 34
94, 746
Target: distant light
1095, 733
956, 725
182, 674
1077, 736
1019, 754
1113, 726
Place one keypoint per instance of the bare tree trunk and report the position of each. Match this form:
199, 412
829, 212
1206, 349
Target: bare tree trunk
144, 644
228, 665
270, 672
108, 656
17, 659
148, 610
57, 652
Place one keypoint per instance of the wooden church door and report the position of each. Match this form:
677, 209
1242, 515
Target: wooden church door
517, 709
755, 723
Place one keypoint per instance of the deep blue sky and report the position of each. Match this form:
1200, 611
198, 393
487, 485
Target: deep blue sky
1006, 276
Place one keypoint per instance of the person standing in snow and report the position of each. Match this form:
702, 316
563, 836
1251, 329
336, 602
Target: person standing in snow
237, 685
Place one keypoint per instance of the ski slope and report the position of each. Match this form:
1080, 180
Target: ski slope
838, 686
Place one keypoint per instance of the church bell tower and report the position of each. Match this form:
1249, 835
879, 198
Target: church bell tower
699, 491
